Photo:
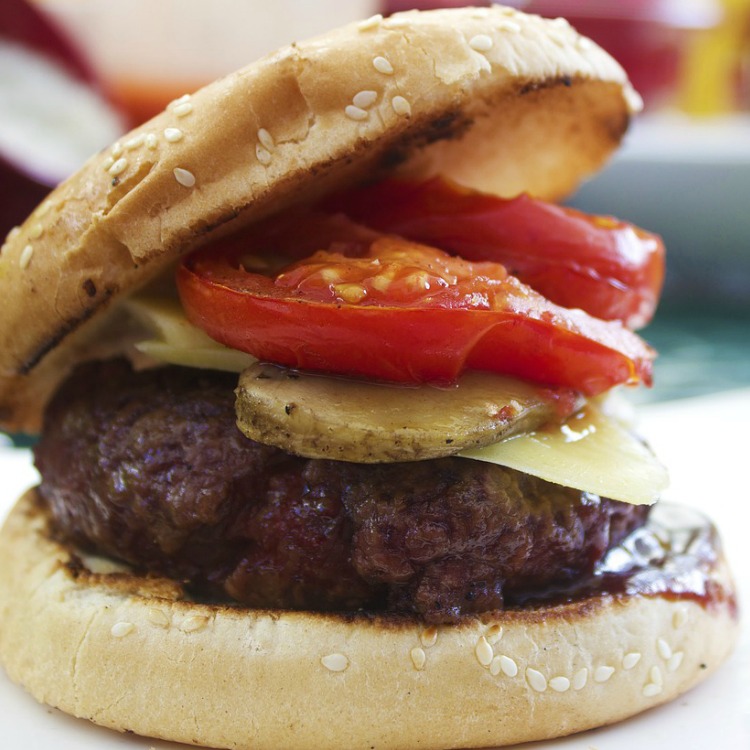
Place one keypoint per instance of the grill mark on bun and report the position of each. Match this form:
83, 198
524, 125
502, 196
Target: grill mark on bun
450, 125
67, 327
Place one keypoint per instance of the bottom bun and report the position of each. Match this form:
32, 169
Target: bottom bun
135, 654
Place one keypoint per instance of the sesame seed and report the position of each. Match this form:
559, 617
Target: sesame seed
158, 617
603, 673
44, 209
664, 649
355, 113
193, 623
392, 22
580, 678
494, 634
418, 658
401, 106
335, 662
651, 690
36, 231
509, 667
484, 652
630, 660
679, 618
183, 109
484, 64
370, 23
560, 684
510, 26
151, 141
382, 65
107, 163
121, 629
481, 43
536, 679
176, 102
675, 661
428, 637
263, 155
117, 150
266, 139
584, 43
655, 675
365, 99
184, 177
172, 135
118, 167
557, 38
634, 99
134, 142
496, 666
560, 23
14, 232
25, 257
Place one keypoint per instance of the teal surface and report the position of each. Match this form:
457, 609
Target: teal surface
701, 351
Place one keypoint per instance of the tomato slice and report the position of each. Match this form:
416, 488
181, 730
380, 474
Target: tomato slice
606, 267
397, 311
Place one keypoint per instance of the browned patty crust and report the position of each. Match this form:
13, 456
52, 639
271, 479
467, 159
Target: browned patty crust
150, 468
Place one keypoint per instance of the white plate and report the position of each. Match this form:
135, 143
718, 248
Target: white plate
703, 441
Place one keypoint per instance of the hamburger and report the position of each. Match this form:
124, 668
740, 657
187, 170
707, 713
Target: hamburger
329, 450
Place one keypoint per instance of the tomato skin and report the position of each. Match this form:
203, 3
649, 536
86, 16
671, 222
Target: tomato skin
610, 269
525, 336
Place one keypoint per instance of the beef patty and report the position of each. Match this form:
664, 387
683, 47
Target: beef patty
150, 468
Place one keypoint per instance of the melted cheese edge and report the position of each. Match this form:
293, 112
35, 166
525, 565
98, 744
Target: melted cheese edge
592, 451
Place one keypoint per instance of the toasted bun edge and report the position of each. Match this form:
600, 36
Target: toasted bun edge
130, 654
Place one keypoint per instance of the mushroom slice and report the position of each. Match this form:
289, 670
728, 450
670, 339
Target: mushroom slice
319, 416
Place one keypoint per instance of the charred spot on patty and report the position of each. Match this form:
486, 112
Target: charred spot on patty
150, 468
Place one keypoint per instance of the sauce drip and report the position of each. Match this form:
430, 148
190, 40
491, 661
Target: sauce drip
674, 555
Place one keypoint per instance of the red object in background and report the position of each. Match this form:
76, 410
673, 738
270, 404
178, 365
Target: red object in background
18, 196
396, 6
645, 36
23, 24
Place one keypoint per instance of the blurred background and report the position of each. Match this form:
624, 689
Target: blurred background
75, 74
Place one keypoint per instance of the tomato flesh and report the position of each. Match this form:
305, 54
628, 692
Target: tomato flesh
609, 268
398, 311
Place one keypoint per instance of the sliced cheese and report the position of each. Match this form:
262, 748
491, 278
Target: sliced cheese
177, 341
591, 452
594, 451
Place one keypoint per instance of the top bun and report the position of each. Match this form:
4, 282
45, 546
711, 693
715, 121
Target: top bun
492, 98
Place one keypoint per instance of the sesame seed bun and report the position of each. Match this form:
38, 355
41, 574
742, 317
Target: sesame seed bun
134, 654
492, 98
